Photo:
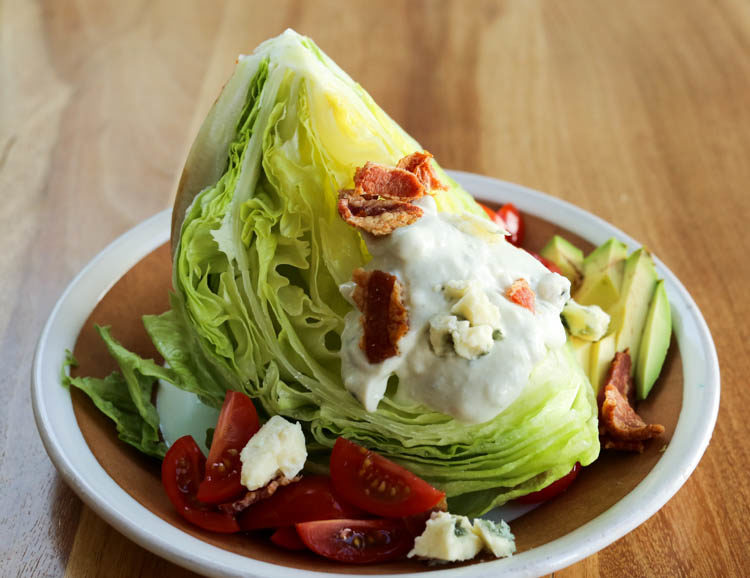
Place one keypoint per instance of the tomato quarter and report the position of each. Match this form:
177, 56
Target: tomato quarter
377, 485
312, 498
181, 472
554, 489
512, 221
288, 538
238, 422
546, 262
357, 541
490, 213
521, 294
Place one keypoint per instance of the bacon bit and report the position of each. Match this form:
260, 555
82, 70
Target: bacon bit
380, 203
619, 376
419, 164
609, 443
257, 495
620, 427
384, 317
521, 294
376, 216
621, 421
388, 182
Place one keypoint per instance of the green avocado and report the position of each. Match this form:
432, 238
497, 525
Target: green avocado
566, 256
581, 351
654, 343
628, 315
602, 275
600, 358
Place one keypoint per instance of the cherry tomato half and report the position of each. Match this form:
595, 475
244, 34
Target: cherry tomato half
376, 484
513, 222
357, 541
238, 422
312, 498
554, 489
546, 262
490, 212
288, 538
181, 472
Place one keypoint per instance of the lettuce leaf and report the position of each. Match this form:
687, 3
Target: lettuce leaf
257, 265
125, 396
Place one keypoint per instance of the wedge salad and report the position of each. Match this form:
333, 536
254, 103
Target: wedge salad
388, 361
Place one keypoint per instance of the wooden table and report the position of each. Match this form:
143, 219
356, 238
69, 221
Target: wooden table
638, 111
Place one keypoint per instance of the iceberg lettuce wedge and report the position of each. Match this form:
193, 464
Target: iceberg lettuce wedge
259, 252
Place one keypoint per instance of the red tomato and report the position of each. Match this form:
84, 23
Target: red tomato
288, 538
357, 541
546, 262
376, 484
513, 222
521, 294
490, 213
554, 489
310, 499
181, 472
238, 422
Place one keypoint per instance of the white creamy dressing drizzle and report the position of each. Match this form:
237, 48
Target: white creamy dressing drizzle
424, 256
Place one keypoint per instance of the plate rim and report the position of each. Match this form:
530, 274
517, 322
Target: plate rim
82, 472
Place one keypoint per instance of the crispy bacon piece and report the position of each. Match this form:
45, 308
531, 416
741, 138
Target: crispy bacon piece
619, 376
621, 421
381, 199
521, 294
376, 216
620, 427
257, 495
388, 182
609, 443
419, 164
384, 317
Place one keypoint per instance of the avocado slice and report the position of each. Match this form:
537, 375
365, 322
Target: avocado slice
654, 343
602, 275
566, 256
581, 351
600, 358
628, 316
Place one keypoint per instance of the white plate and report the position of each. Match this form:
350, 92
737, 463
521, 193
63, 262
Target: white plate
71, 455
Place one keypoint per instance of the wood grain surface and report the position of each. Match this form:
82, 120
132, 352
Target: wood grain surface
638, 111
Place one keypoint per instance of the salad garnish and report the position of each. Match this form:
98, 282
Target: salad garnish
384, 318
238, 422
381, 200
368, 510
623, 428
376, 215
521, 294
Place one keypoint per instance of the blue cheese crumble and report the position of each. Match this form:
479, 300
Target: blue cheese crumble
278, 448
451, 538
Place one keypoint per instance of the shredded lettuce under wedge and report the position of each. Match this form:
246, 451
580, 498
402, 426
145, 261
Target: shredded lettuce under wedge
257, 308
